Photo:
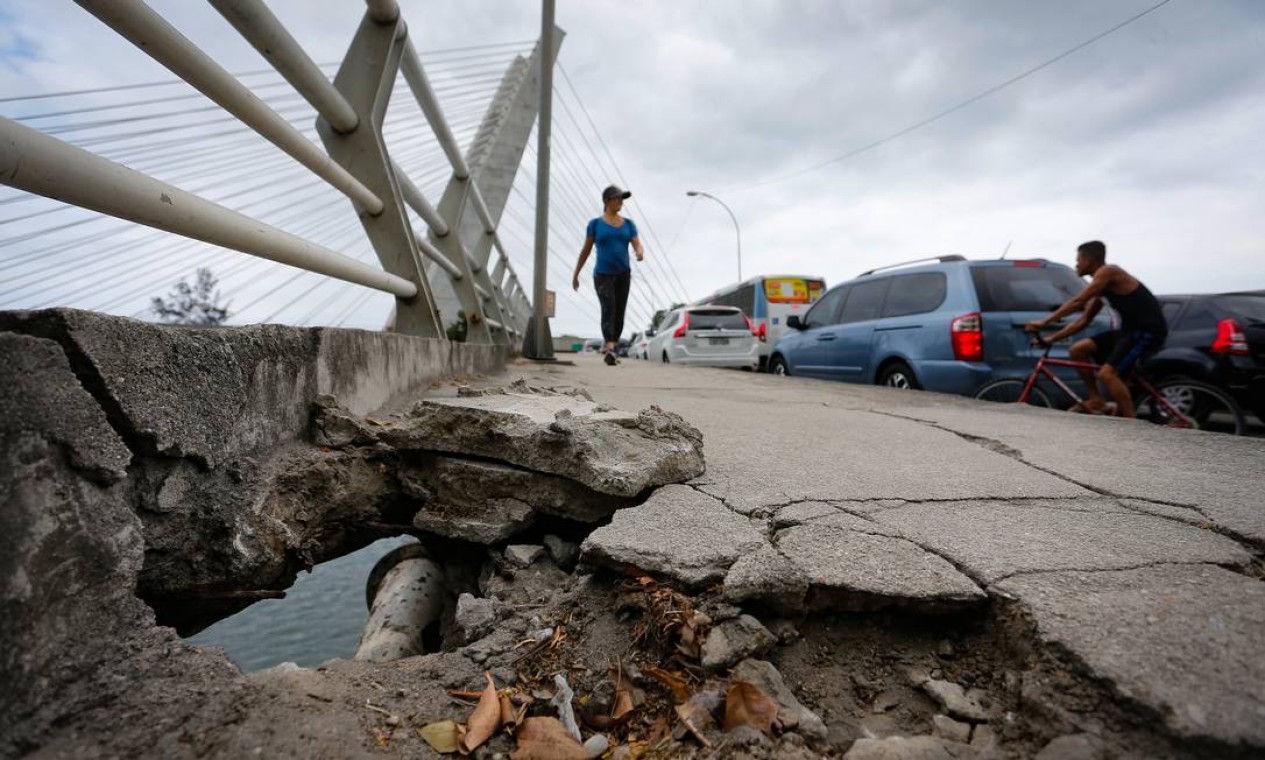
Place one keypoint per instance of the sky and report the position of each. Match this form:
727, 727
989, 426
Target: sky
1148, 139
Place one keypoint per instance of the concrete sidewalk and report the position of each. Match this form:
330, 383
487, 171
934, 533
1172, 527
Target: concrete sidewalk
1133, 549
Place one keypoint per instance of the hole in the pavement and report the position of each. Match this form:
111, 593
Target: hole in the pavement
321, 617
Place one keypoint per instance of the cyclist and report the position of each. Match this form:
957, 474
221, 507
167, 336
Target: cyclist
1141, 333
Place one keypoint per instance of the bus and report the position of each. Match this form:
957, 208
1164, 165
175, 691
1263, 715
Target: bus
768, 300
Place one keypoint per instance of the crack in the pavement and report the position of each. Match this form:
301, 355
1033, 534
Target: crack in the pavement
1237, 569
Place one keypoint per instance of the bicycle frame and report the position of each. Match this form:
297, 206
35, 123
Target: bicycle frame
1043, 370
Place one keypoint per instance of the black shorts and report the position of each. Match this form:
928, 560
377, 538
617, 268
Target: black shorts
1123, 349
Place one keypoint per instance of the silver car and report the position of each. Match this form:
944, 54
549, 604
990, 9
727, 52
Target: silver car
709, 336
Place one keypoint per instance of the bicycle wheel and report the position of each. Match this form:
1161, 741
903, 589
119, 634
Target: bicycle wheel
1191, 404
1009, 390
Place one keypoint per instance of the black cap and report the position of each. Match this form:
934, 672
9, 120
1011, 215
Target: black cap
613, 192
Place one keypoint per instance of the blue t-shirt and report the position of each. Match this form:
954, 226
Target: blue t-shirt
612, 245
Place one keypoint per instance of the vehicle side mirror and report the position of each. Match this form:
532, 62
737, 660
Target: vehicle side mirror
794, 322
649, 333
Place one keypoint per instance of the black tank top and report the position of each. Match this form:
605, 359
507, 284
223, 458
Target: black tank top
1139, 310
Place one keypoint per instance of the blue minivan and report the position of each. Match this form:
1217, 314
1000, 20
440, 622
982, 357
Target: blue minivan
944, 324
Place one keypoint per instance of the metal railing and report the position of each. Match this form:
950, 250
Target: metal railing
355, 161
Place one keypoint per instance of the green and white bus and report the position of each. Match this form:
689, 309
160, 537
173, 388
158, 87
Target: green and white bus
767, 301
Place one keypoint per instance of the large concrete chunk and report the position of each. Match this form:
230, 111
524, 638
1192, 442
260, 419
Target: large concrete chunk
993, 540
679, 533
1184, 640
767, 578
610, 452
458, 482
858, 571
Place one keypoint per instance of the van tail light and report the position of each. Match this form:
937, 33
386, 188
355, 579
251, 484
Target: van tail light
1230, 339
967, 332
685, 325
763, 332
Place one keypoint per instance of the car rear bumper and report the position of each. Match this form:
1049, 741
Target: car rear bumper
681, 355
961, 378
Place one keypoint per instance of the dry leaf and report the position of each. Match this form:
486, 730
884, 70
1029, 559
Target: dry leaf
679, 686
623, 697
441, 736
485, 720
511, 716
747, 705
546, 739
696, 715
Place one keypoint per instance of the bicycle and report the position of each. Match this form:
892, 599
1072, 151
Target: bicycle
1173, 402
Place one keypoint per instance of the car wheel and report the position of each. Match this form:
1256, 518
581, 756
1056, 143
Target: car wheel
899, 375
777, 366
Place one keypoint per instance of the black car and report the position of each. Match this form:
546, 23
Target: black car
1219, 339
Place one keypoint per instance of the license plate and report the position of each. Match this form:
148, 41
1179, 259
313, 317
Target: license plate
718, 341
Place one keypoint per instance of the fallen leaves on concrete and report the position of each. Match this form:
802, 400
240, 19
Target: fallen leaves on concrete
485, 720
545, 738
747, 705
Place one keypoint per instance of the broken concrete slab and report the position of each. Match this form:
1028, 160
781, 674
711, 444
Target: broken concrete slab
1184, 641
678, 533
767, 578
459, 482
848, 570
561, 434
489, 522
733, 640
994, 539
564, 553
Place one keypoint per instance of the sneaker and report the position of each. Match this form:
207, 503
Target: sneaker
610, 358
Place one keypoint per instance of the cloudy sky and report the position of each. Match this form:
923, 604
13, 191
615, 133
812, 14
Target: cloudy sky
1149, 139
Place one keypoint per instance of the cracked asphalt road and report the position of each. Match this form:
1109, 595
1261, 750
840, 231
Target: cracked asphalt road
1135, 548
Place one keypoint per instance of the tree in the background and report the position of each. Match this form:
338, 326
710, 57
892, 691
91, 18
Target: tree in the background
457, 331
196, 304
660, 314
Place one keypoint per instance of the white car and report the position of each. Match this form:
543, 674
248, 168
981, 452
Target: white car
638, 349
708, 336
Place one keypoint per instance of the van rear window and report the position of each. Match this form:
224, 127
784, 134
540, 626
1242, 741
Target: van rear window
717, 320
1003, 288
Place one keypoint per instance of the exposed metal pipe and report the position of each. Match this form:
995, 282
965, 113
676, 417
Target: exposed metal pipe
141, 26
31, 160
418, 82
405, 592
416, 201
253, 20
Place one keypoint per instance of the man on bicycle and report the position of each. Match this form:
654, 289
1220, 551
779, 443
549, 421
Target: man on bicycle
1142, 330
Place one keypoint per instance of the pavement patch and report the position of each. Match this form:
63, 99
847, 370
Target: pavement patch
1183, 640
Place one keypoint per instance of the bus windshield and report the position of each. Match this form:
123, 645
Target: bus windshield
792, 290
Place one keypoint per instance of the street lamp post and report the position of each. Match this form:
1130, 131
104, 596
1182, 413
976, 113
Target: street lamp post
737, 229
